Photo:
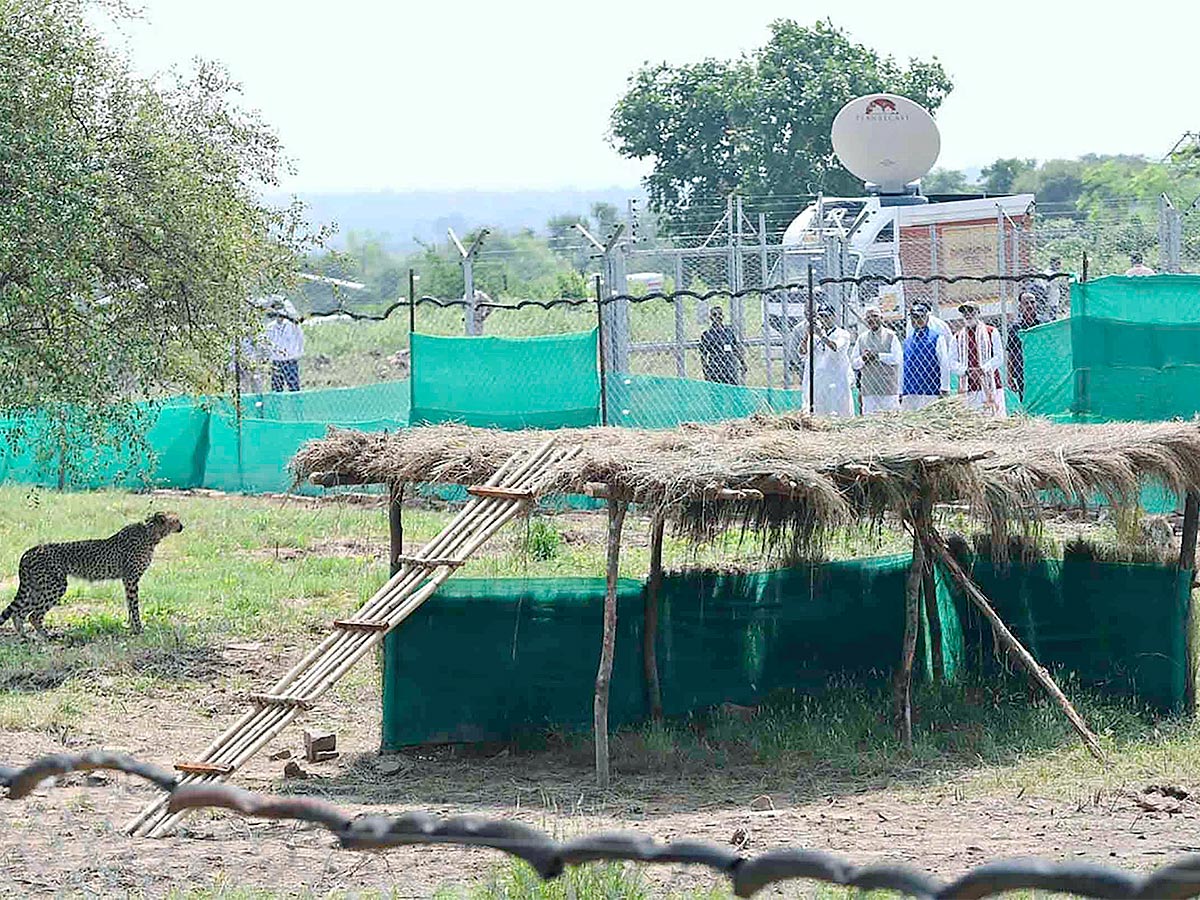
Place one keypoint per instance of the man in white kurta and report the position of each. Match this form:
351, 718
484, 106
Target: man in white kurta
831, 367
878, 357
980, 356
940, 326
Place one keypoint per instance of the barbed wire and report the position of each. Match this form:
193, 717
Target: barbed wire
461, 302
549, 858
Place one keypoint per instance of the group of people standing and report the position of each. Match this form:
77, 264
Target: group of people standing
892, 372
911, 372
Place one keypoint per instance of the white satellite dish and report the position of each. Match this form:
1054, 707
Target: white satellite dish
886, 139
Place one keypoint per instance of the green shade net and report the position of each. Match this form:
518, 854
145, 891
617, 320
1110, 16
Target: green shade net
1129, 352
525, 651
532, 382
1120, 628
177, 432
650, 401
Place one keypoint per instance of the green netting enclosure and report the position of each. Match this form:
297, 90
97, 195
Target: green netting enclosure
525, 650
1129, 352
495, 382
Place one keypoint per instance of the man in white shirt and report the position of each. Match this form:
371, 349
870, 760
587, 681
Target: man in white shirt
831, 349
878, 357
980, 356
942, 327
285, 344
1137, 267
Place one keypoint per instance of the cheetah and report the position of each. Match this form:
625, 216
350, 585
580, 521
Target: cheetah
125, 555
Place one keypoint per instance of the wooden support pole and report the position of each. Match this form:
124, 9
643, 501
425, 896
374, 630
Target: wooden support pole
934, 618
976, 596
650, 625
902, 684
395, 526
1187, 563
616, 520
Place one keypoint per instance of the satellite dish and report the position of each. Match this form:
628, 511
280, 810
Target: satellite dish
886, 139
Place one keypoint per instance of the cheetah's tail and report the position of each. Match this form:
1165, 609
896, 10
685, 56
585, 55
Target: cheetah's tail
11, 608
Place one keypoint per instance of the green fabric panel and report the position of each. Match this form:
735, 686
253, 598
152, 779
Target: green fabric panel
251, 456
177, 437
1150, 299
341, 406
1111, 343
1129, 352
534, 645
533, 382
1049, 369
484, 659
1120, 628
653, 401
1106, 394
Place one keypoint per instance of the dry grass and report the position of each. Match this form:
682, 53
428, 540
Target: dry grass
816, 475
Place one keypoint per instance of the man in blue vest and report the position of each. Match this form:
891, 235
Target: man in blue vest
926, 360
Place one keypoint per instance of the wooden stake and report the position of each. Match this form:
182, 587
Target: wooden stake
902, 686
976, 596
650, 624
1187, 563
616, 519
395, 525
934, 618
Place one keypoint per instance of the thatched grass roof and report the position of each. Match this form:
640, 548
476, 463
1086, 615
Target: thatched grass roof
815, 475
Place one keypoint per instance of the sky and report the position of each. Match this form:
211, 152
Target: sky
436, 95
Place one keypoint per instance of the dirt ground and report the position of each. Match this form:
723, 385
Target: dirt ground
66, 840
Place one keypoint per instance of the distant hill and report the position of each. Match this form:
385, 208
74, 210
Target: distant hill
402, 218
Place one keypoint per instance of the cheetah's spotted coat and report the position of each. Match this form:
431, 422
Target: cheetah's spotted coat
125, 555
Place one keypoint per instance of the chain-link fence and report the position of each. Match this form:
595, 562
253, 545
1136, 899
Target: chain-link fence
907, 304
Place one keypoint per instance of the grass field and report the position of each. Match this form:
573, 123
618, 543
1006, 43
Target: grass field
252, 582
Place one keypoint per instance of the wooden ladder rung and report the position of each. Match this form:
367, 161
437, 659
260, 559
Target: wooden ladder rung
360, 625
203, 768
430, 562
280, 700
499, 493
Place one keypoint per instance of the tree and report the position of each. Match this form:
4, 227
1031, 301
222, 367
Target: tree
946, 181
1056, 182
998, 178
759, 124
131, 233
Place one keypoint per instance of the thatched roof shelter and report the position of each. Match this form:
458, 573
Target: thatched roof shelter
812, 475
794, 480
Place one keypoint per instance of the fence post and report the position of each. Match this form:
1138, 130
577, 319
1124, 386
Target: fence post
602, 352
737, 305
468, 260
811, 362
680, 333
621, 338
616, 347
412, 309
933, 269
767, 331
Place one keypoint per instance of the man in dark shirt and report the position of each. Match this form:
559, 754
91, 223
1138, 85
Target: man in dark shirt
1027, 317
721, 351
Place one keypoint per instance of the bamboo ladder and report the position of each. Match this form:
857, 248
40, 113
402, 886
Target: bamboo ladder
493, 504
